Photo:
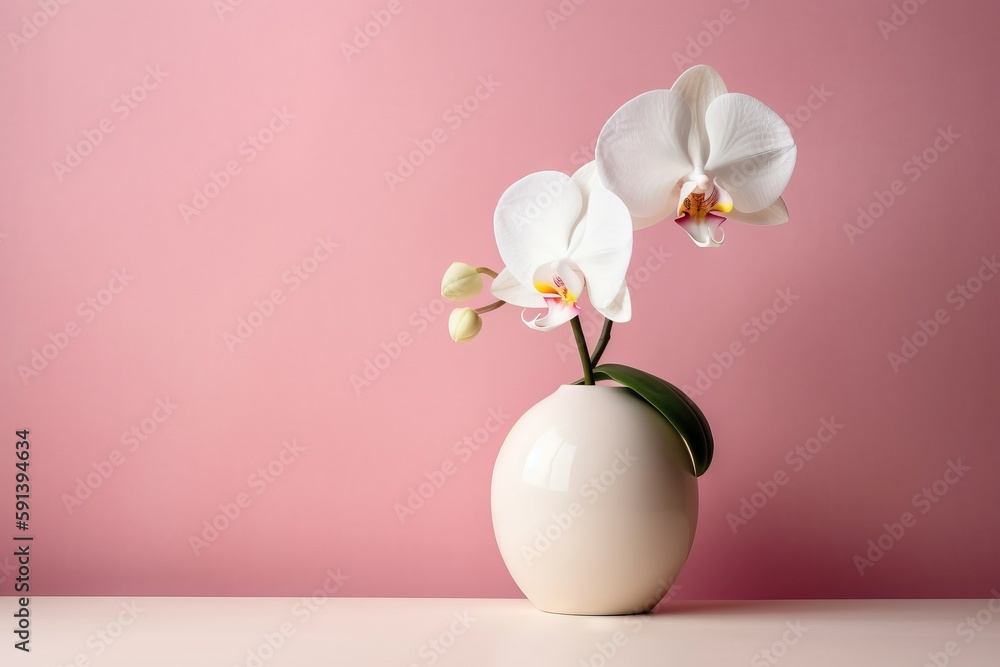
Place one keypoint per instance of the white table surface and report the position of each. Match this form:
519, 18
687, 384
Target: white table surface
223, 632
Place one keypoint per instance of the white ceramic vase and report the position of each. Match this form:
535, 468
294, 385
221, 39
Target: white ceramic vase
594, 501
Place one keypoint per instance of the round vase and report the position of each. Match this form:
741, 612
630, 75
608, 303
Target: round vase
594, 502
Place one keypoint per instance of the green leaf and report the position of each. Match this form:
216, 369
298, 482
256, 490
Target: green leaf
675, 406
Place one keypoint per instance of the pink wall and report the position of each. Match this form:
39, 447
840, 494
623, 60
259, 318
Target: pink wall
169, 285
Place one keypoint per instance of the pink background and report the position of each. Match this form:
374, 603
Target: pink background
882, 98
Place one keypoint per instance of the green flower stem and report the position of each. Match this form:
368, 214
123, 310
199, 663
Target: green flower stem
602, 342
490, 272
581, 343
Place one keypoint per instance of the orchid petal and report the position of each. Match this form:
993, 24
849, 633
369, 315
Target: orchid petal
641, 223
620, 309
703, 232
723, 200
507, 288
775, 214
642, 152
587, 179
699, 86
559, 313
534, 221
752, 154
605, 247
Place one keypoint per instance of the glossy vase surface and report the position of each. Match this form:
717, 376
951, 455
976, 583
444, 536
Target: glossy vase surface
594, 502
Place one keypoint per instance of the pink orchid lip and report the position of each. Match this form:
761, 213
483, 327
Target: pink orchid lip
699, 201
559, 312
561, 301
555, 303
702, 231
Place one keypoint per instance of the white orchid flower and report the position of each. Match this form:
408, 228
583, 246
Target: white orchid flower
556, 236
699, 151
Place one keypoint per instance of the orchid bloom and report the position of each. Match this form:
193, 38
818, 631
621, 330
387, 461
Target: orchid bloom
556, 236
697, 151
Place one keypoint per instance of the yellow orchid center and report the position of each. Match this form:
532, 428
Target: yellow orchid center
700, 204
558, 291
700, 199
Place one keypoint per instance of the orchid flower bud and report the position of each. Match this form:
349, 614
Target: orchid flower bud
461, 282
464, 324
